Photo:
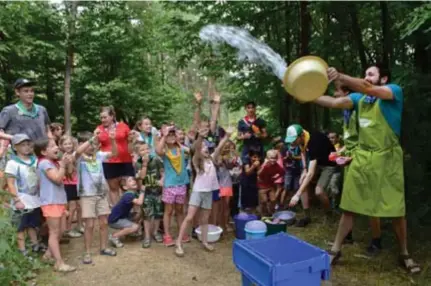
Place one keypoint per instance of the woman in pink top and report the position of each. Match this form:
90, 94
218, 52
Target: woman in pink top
121, 165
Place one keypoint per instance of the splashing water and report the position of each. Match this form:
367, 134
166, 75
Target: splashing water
249, 48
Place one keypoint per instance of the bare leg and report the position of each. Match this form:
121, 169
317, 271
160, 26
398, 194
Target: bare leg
376, 231
344, 227
20, 238
204, 229
72, 211
326, 204
147, 228
33, 235
179, 211
114, 190
169, 208
191, 212
400, 228
54, 225
126, 231
214, 213
103, 228
88, 234
156, 225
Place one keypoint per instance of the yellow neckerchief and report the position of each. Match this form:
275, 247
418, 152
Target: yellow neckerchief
175, 160
337, 146
306, 140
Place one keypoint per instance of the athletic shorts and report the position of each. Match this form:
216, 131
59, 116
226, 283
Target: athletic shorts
71, 192
118, 170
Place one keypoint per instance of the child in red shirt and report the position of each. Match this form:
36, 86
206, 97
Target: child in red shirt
268, 174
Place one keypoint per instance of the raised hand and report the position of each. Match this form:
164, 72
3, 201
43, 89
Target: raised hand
332, 74
216, 97
96, 132
229, 131
198, 96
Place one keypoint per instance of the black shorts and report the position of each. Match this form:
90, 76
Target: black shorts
71, 192
118, 170
25, 219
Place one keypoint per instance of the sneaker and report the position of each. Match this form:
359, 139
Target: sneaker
73, 234
81, 229
179, 251
373, 249
158, 237
115, 241
186, 239
168, 241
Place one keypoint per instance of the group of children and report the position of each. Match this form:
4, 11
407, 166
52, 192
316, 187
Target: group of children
191, 176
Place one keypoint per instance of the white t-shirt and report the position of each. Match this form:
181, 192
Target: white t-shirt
206, 181
91, 180
26, 181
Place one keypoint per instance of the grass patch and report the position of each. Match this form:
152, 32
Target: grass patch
355, 270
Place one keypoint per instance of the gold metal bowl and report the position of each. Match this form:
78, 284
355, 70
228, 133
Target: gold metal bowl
306, 78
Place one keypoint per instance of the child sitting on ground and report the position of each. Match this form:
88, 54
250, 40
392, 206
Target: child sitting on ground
150, 171
23, 184
93, 190
53, 198
120, 217
268, 174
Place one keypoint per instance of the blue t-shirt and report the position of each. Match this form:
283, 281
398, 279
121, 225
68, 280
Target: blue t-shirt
172, 179
123, 207
391, 109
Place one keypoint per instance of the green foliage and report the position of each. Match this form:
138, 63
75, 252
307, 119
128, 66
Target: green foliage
14, 267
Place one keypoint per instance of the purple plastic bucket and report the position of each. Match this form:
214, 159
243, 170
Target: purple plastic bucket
240, 221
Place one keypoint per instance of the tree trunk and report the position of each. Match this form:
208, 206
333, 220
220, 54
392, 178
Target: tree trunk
386, 32
305, 19
72, 9
326, 116
357, 34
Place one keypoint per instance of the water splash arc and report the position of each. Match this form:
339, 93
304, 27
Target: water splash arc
249, 48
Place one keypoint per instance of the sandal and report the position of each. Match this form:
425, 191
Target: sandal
108, 252
208, 247
158, 237
64, 268
48, 260
179, 251
146, 243
87, 259
334, 256
408, 263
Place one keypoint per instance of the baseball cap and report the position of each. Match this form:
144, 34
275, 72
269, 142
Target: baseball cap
19, 138
21, 82
292, 132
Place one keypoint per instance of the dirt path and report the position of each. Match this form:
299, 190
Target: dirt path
156, 266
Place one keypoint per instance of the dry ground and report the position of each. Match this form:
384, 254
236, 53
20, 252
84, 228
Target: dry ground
158, 265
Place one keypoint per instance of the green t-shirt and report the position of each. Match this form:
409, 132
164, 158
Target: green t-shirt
154, 173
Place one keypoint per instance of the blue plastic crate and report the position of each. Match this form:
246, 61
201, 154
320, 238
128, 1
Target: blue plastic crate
280, 260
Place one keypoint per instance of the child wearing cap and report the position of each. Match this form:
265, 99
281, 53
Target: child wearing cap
22, 184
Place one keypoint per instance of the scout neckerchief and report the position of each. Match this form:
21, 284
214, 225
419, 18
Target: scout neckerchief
19, 160
306, 140
250, 122
175, 160
22, 110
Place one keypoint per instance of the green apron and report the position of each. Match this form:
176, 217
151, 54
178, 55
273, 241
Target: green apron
374, 183
350, 134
